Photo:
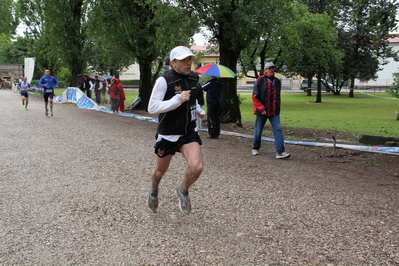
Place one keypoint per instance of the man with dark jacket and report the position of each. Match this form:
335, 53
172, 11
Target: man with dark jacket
175, 98
86, 85
213, 88
266, 99
97, 86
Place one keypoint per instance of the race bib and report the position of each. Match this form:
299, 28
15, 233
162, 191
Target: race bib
193, 110
49, 90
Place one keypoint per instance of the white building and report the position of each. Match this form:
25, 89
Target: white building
132, 73
385, 77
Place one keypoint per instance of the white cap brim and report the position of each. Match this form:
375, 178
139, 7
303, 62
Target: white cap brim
183, 56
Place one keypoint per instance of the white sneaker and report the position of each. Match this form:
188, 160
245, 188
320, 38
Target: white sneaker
282, 155
255, 152
184, 201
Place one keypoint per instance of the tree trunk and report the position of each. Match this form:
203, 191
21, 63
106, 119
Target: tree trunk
76, 59
351, 87
145, 87
318, 96
230, 100
309, 90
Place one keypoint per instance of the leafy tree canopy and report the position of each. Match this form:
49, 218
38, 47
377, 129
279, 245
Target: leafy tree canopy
8, 21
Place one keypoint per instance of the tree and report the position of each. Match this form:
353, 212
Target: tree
142, 30
394, 90
60, 28
14, 52
8, 22
233, 25
269, 45
363, 28
311, 47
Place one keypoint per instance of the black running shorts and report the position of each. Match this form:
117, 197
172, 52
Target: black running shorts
48, 95
165, 147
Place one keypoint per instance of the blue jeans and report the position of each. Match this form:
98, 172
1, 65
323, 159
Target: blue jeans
278, 134
98, 97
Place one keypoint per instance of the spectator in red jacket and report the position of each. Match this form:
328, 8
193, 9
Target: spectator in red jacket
116, 94
122, 99
266, 98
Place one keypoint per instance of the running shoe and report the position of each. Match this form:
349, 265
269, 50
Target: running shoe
282, 155
51, 112
152, 202
255, 152
184, 201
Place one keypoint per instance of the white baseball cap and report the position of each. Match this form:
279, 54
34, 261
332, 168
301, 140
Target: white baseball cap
269, 65
179, 53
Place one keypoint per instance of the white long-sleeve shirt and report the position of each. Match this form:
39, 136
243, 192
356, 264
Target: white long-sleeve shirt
93, 85
157, 105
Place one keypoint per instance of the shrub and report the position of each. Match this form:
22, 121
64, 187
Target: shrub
394, 90
131, 82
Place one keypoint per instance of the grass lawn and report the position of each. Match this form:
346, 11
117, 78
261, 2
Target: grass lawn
373, 114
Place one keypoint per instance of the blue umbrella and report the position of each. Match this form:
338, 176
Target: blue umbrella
108, 77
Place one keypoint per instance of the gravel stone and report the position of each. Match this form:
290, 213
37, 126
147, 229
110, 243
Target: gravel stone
74, 188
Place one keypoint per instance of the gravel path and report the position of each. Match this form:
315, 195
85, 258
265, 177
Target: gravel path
74, 187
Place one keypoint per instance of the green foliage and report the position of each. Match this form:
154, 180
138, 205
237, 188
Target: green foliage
234, 25
364, 27
59, 29
4, 44
371, 164
64, 74
14, 52
144, 31
394, 90
8, 21
132, 82
310, 45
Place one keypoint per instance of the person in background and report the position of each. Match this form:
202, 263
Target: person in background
266, 98
213, 88
103, 92
201, 103
86, 85
23, 88
48, 83
122, 98
115, 94
175, 98
97, 86
3, 85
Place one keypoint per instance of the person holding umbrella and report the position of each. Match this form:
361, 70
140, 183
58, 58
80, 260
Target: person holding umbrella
214, 95
213, 88
175, 98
